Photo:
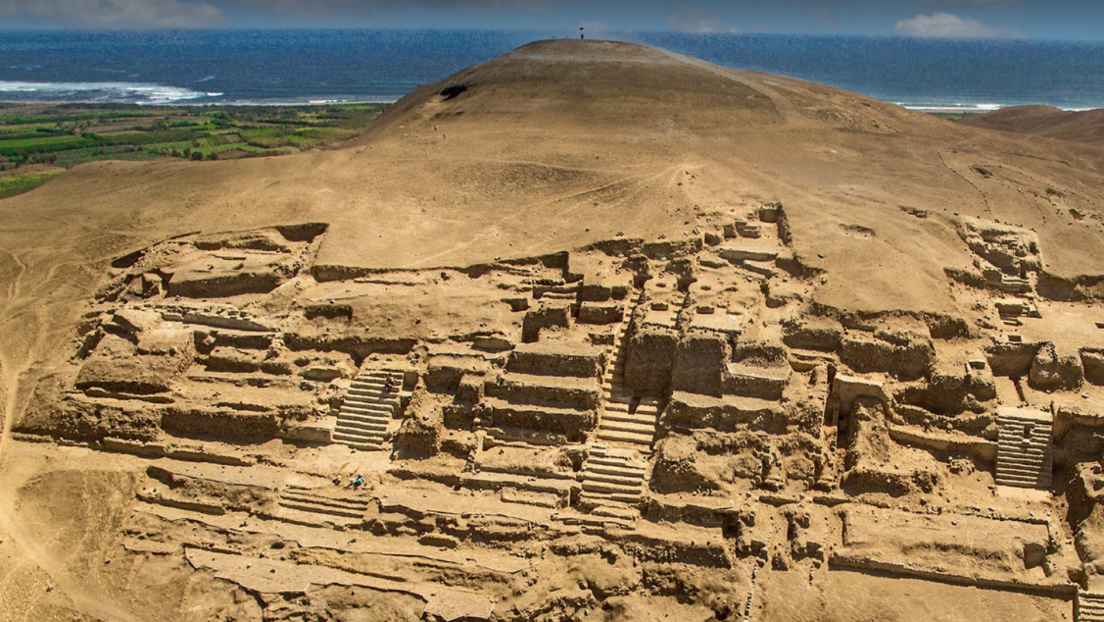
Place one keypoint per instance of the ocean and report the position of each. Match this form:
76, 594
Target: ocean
200, 67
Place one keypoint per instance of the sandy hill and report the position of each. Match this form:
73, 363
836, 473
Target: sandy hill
1079, 126
609, 331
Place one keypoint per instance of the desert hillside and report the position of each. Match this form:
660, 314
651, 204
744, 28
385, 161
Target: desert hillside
1085, 127
592, 331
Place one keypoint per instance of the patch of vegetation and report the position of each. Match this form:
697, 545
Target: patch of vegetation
72, 134
11, 185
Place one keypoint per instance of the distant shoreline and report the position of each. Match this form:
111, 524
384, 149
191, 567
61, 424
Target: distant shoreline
192, 104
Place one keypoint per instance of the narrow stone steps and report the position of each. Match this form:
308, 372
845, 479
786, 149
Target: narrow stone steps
631, 475
631, 427
630, 438
370, 396
1026, 480
1030, 481
612, 478
648, 421
344, 418
1024, 451
365, 416
306, 495
1021, 462
366, 412
1035, 456
1090, 607
1033, 469
1021, 468
310, 518
366, 426
1013, 452
1022, 455
594, 484
600, 460
1017, 443
324, 506
641, 424
628, 482
363, 443
359, 435
620, 422
315, 508
358, 412
644, 412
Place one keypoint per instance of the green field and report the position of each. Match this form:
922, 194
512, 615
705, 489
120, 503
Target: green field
11, 185
63, 136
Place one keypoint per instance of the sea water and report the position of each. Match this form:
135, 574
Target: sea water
317, 66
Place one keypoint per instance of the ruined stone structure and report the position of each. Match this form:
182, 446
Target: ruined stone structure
665, 396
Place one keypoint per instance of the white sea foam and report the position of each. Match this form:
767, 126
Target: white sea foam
96, 92
975, 108
955, 107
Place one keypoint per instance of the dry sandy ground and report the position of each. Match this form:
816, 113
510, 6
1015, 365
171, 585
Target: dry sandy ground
552, 147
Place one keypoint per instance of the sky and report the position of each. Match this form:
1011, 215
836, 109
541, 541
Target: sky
1077, 20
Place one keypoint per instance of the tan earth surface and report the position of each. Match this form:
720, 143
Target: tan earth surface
607, 332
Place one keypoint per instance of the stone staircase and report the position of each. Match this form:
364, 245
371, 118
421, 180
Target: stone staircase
1024, 454
312, 501
367, 412
612, 482
1089, 607
625, 420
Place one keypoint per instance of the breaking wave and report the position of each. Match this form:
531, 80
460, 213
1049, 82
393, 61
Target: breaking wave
99, 93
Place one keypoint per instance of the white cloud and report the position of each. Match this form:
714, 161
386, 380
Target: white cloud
950, 26
693, 18
114, 13
329, 8
984, 4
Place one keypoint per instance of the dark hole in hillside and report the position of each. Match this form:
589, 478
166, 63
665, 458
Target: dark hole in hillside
452, 92
980, 170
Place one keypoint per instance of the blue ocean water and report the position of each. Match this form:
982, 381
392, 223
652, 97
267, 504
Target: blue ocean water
304, 66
